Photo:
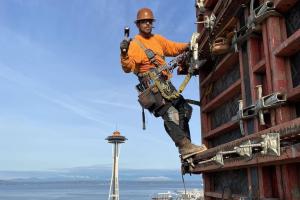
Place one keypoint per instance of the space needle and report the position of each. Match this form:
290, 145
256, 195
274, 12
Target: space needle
116, 139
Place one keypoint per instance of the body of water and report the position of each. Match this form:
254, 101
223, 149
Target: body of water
86, 190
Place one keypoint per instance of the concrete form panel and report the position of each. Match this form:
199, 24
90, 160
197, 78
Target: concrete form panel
269, 59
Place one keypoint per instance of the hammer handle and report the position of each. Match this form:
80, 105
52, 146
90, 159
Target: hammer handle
126, 36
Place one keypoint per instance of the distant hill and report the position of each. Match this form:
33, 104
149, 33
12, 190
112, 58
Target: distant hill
102, 173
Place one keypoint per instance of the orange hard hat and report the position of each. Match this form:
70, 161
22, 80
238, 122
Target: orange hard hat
144, 13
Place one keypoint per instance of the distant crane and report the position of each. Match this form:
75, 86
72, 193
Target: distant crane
115, 139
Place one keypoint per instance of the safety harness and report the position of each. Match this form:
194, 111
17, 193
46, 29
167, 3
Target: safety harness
164, 86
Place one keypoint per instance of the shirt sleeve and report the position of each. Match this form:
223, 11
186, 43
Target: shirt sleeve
171, 48
128, 64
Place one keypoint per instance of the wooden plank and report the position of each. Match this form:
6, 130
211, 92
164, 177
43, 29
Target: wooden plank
284, 5
279, 181
294, 94
290, 154
221, 196
227, 62
260, 67
286, 186
229, 27
255, 64
290, 46
278, 67
207, 184
290, 174
210, 3
224, 11
213, 194
261, 182
221, 129
285, 129
223, 97
294, 180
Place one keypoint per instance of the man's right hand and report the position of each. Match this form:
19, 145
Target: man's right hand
124, 45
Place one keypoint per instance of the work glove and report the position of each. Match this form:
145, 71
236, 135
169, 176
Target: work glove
124, 45
188, 47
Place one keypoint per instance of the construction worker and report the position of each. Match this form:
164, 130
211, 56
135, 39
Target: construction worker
147, 51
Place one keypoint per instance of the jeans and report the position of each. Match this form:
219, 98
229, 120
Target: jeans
176, 120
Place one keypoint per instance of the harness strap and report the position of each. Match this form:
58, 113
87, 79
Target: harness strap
143, 118
149, 53
164, 87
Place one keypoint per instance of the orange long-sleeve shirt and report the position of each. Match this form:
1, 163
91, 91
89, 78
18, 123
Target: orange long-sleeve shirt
136, 60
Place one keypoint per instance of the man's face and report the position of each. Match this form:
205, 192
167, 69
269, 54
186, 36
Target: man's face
145, 26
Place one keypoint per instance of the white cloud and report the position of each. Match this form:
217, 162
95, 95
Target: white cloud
124, 105
51, 95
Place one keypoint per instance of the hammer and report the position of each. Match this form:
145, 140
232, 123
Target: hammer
126, 36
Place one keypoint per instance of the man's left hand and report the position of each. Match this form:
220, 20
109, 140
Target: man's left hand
188, 47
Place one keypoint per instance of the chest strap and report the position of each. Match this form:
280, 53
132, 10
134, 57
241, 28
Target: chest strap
166, 89
149, 53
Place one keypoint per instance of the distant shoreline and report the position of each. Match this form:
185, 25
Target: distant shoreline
93, 180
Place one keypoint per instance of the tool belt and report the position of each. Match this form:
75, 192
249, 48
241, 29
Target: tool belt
157, 89
151, 99
154, 88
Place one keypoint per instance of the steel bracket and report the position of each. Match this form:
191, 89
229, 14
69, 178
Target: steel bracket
200, 5
244, 113
187, 165
244, 150
262, 104
260, 13
194, 49
271, 144
218, 159
256, 17
209, 21
266, 102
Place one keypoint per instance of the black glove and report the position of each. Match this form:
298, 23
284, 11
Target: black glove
187, 48
124, 45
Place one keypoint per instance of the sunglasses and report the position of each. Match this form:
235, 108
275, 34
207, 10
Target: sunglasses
145, 21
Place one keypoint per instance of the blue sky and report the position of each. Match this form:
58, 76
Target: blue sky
63, 90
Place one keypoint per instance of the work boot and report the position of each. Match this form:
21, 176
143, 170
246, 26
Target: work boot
185, 147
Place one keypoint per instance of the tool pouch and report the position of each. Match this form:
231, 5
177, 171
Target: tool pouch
151, 99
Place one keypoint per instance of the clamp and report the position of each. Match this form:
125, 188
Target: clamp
256, 17
262, 104
209, 21
200, 4
218, 159
260, 13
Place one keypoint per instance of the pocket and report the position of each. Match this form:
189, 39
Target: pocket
151, 99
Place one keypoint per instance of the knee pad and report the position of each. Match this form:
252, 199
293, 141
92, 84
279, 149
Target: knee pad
172, 115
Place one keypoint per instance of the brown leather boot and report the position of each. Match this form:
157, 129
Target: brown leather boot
185, 147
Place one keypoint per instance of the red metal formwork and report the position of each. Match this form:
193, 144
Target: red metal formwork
266, 58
